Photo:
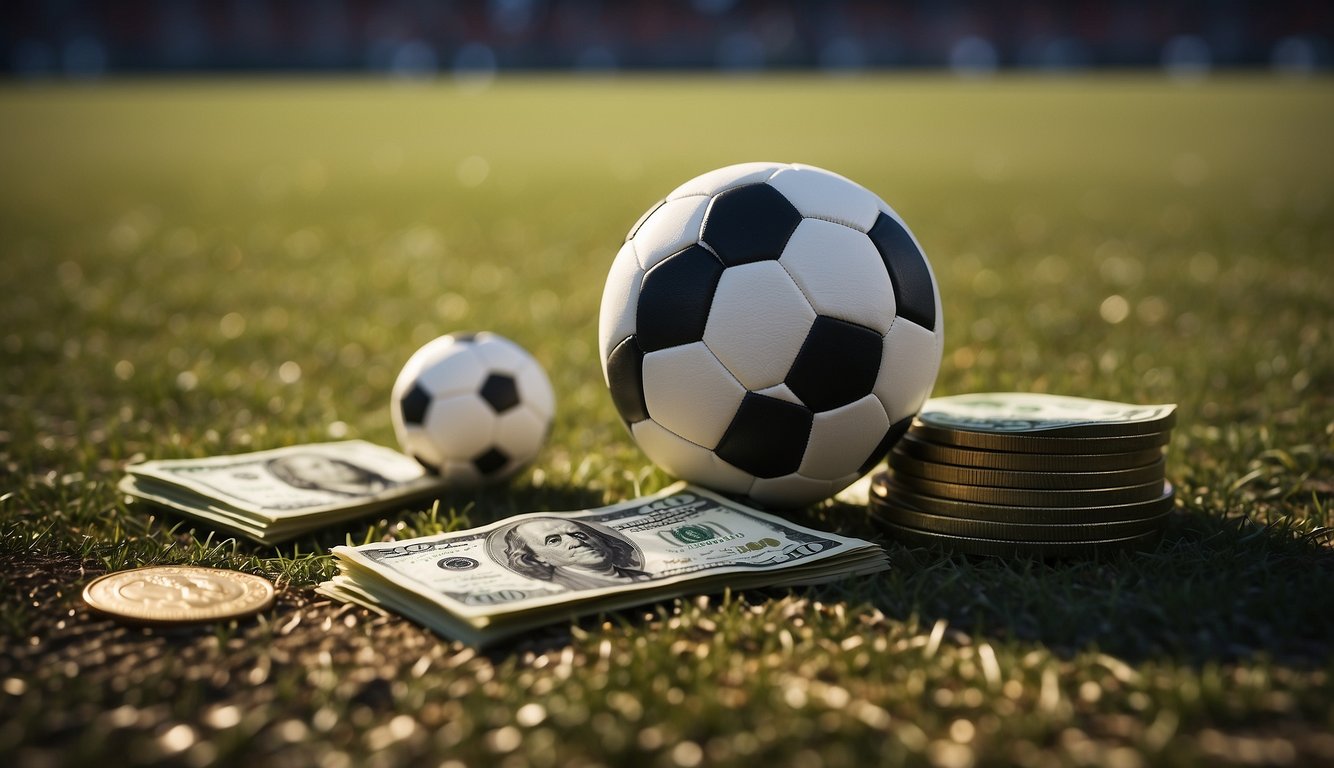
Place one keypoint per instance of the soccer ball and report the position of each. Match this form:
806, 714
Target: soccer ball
769, 330
472, 408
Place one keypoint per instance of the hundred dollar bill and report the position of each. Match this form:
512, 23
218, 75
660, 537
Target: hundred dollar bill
278, 494
505, 578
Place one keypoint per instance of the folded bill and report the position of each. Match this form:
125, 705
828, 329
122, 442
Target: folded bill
489, 583
273, 495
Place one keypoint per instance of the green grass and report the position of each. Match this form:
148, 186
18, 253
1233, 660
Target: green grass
196, 268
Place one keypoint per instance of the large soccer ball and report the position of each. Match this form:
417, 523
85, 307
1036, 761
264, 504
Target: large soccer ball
769, 330
472, 408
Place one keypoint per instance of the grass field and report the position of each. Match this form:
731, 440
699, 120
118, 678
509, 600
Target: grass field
199, 268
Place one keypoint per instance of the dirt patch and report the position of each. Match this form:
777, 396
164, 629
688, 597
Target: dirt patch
55, 633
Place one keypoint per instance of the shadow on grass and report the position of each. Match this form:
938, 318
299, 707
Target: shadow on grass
1214, 589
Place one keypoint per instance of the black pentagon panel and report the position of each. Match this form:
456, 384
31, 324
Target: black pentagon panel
414, 405
500, 392
464, 338
430, 468
625, 377
767, 437
838, 364
675, 298
914, 294
490, 462
891, 439
749, 223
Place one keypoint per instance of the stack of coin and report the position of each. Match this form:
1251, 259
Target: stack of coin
1014, 474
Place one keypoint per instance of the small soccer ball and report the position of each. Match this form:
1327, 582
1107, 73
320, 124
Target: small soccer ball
769, 330
472, 408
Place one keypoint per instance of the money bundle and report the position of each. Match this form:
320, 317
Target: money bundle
488, 583
271, 496
1030, 475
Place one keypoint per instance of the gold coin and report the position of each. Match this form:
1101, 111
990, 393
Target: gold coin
178, 594
1037, 533
885, 491
1026, 462
1022, 442
1024, 497
1034, 549
905, 464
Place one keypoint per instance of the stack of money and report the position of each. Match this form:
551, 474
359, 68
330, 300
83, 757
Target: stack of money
527, 571
271, 496
1008, 474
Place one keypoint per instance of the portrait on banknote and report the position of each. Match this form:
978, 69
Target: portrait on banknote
317, 472
574, 554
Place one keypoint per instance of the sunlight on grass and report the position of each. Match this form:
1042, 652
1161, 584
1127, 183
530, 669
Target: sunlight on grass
210, 267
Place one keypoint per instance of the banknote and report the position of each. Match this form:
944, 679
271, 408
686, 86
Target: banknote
488, 583
281, 493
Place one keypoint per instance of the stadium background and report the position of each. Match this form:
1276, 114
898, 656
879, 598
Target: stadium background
87, 39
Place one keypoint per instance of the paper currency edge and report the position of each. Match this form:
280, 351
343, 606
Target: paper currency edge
195, 506
157, 470
424, 612
361, 562
948, 420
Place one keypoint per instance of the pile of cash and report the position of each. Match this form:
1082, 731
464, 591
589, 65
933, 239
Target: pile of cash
1009, 474
502, 579
271, 496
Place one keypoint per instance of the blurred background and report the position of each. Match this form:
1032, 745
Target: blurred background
87, 39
